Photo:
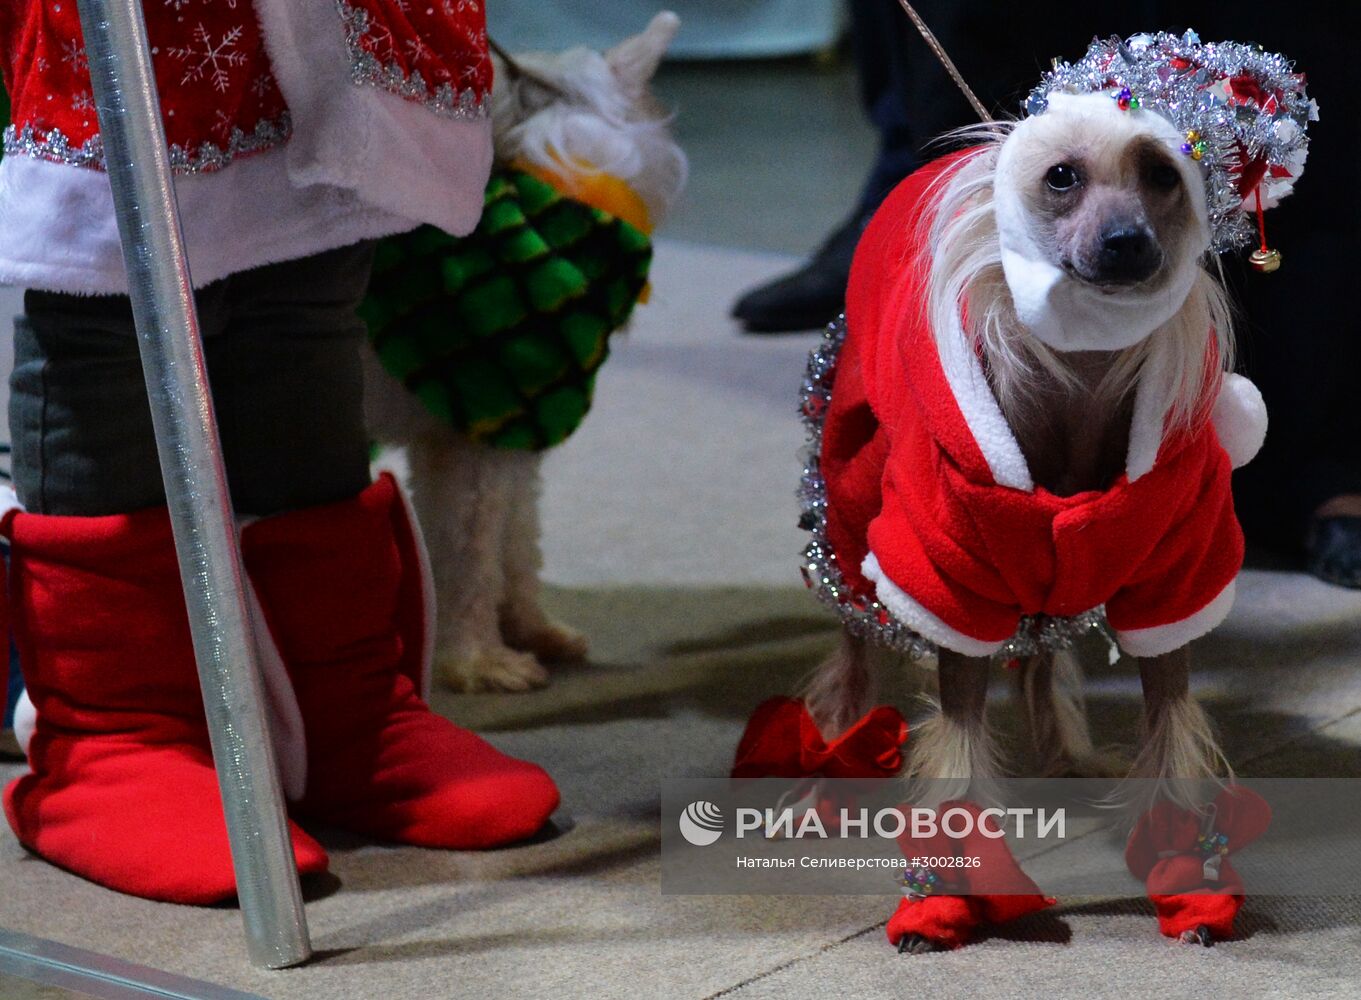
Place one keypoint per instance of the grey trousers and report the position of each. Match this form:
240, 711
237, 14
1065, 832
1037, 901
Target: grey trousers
282, 344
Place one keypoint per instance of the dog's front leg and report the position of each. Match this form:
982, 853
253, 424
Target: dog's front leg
954, 745
955, 750
460, 491
1179, 746
1179, 757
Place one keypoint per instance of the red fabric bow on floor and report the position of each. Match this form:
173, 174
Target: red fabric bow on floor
964, 896
1182, 856
783, 741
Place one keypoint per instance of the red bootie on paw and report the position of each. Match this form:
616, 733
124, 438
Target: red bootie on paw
935, 903
344, 596
948, 902
121, 788
1182, 857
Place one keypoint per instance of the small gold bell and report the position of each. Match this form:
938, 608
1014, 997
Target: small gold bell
1265, 260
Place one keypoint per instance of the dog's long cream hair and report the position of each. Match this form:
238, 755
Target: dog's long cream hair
965, 275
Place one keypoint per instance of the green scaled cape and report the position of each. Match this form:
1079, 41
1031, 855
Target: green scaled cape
500, 333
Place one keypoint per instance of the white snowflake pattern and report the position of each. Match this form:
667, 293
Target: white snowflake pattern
82, 101
418, 50
177, 4
262, 85
222, 123
73, 54
383, 42
211, 60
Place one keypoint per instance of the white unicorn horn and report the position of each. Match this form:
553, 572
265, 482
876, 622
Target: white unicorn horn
634, 60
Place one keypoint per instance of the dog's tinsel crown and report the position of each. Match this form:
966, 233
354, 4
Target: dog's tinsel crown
1243, 110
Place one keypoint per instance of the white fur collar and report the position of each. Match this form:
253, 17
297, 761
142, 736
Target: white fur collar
1066, 314
994, 437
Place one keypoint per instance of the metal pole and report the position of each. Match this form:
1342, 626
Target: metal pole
195, 480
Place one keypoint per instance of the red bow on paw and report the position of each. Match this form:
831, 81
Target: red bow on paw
783, 741
1182, 856
947, 902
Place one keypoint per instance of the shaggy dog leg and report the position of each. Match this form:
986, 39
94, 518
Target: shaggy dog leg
461, 494
1179, 762
1049, 687
953, 748
524, 624
1179, 751
838, 693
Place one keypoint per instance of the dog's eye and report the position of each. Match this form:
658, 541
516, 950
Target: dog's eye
1163, 176
1061, 177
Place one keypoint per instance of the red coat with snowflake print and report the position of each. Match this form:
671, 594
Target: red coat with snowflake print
385, 101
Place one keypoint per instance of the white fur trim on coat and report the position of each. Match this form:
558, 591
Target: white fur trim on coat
997, 441
392, 153
917, 618
976, 402
58, 232
1162, 639
1240, 419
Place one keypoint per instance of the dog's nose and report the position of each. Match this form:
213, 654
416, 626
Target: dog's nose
1128, 254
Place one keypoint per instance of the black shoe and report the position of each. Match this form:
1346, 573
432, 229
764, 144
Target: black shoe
812, 296
1333, 550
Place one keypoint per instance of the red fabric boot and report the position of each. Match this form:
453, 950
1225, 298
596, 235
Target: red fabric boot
1182, 856
948, 903
343, 591
121, 788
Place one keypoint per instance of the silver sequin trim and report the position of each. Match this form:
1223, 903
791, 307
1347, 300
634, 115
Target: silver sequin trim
202, 159
367, 69
867, 618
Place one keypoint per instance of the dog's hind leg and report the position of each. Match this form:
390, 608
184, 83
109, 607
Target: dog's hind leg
1049, 688
838, 691
460, 491
524, 624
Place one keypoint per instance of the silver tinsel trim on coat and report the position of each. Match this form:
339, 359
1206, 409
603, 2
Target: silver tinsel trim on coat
1190, 83
204, 158
368, 69
864, 616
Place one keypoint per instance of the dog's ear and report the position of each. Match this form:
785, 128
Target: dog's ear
634, 60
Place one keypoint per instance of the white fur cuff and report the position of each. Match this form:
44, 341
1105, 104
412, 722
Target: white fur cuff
920, 620
1162, 639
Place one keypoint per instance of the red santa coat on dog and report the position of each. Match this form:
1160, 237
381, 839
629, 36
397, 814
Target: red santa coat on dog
293, 128
931, 507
